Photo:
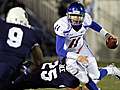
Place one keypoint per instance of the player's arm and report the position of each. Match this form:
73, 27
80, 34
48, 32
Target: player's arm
36, 52
37, 58
101, 30
36, 65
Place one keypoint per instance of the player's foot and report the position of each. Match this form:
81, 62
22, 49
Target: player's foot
115, 71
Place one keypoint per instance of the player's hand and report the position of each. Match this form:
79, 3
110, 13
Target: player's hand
83, 59
23, 69
110, 35
25, 65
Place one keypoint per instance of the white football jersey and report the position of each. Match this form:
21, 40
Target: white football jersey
74, 39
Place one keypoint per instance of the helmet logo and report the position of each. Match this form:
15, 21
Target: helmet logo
76, 12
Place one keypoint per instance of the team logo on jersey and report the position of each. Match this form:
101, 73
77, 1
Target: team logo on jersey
82, 31
70, 34
62, 68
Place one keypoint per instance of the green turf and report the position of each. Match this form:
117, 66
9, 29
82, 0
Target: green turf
104, 64
107, 83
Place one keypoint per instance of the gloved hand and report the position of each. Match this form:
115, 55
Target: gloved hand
25, 67
110, 35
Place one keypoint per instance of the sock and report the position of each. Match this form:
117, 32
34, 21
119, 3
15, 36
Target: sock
91, 86
103, 73
109, 70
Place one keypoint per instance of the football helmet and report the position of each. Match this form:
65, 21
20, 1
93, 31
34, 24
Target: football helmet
17, 16
76, 9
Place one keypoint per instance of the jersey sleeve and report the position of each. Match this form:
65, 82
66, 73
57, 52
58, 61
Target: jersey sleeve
59, 46
61, 27
39, 35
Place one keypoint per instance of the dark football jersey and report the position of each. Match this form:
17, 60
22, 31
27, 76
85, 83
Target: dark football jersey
52, 75
16, 42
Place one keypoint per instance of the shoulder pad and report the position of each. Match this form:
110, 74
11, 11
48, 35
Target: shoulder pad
87, 20
62, 26
39, 34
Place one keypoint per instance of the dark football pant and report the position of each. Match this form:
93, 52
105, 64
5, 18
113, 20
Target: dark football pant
6, 75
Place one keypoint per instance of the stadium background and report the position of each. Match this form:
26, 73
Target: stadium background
43, 14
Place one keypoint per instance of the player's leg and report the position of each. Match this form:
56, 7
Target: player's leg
19, 84
111, 70
70, 81
92, 69
79, 72
95, 73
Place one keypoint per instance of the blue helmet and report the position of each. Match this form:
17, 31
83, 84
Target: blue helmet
76, 9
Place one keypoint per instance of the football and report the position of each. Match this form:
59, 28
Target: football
112, 43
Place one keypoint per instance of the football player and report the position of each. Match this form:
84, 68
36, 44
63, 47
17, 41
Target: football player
17, 39
70, 44
51, 75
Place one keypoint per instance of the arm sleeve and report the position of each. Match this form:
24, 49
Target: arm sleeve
98, 28
59, 46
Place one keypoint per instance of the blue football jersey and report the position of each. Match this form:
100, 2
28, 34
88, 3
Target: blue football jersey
16, 42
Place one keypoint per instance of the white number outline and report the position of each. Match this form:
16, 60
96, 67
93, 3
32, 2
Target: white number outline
49, 75
15, 41
52, 74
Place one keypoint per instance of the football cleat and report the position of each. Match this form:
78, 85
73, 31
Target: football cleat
115, 71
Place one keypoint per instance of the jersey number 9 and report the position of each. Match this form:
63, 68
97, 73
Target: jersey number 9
15, 36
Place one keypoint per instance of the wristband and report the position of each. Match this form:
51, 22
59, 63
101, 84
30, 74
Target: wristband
27, 71
103, 32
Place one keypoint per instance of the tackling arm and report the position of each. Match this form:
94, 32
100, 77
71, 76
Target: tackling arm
37, 58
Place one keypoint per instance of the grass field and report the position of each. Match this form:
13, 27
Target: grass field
107, 83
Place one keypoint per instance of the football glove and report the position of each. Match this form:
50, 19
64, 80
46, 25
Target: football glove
24, 69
